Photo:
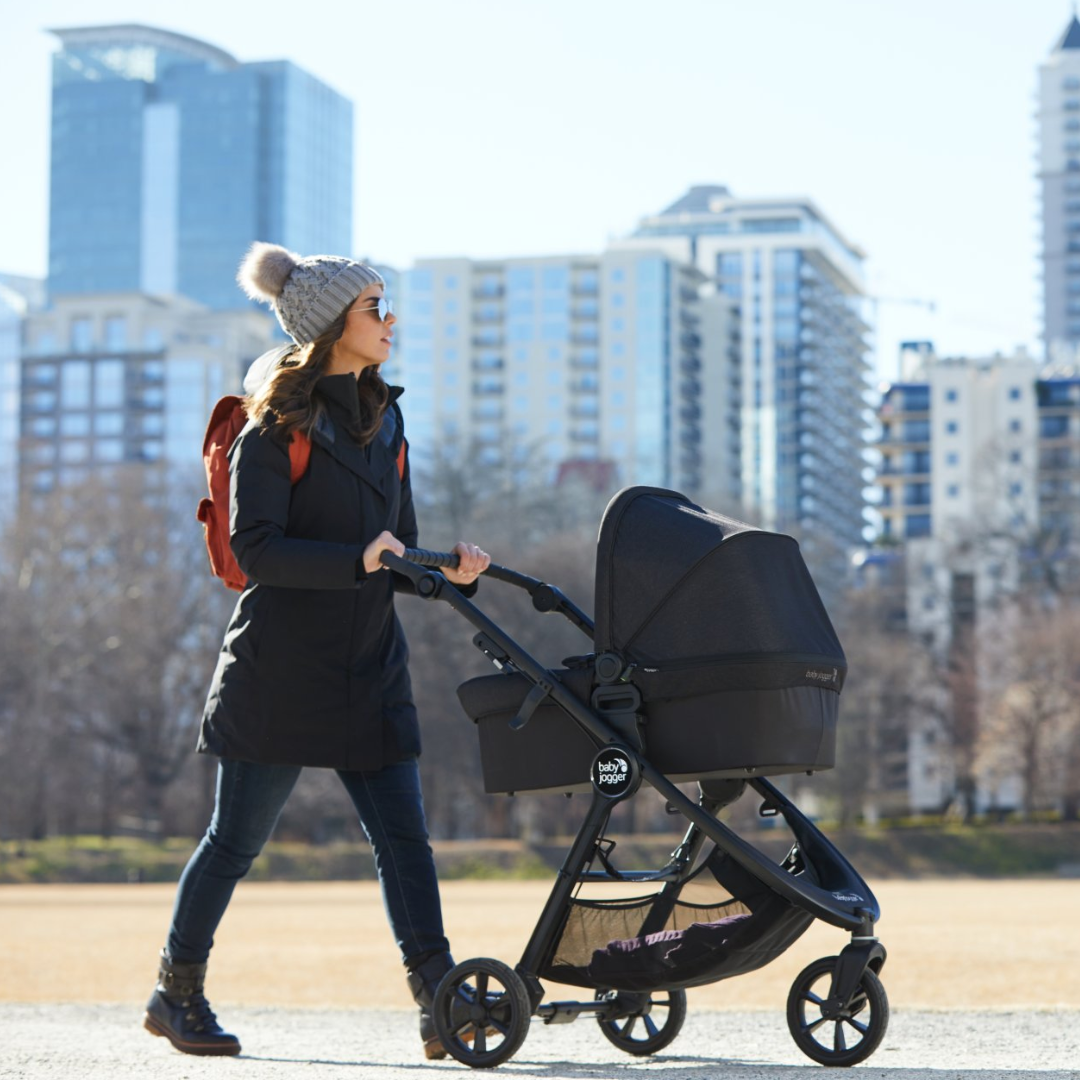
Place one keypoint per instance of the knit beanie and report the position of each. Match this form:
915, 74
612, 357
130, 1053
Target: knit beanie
307, 295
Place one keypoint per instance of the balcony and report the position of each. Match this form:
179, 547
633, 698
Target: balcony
585, 386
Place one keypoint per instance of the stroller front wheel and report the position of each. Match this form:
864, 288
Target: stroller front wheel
836, 1037
653, 1024
481, 1012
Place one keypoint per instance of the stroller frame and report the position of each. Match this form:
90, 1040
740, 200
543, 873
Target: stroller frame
842, 898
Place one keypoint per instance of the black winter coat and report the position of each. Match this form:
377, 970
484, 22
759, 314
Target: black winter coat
313, 667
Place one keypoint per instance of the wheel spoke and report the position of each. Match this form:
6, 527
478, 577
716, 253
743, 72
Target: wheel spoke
839, 1042
862, 1029
480, 1042
627, 1031
809, 995
813, 1025
481, 986
650, 1025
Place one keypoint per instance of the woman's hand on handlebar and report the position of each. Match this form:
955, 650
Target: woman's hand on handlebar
472, 562
385, 541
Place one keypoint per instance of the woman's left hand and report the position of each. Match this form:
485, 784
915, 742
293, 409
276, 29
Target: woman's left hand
472, 562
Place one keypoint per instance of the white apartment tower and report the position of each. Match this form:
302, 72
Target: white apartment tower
1059, 182
610, 366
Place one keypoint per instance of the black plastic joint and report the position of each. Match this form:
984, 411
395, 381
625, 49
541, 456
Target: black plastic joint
429, 586
545, 598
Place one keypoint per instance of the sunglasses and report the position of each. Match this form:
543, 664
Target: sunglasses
384, 307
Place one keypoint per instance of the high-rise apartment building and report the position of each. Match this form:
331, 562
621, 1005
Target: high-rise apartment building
1058, 410
608, 365
797, 284
1059, 182
12, 310
959, 445
169, 157
125, 378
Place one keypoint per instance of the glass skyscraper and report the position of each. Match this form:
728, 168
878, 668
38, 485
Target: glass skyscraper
169, 157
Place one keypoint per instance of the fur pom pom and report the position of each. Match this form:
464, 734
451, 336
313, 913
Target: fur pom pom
265, 269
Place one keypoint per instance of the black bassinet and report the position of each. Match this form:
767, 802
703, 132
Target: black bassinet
714, 624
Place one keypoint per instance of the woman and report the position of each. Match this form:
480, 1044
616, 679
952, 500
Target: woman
313, 669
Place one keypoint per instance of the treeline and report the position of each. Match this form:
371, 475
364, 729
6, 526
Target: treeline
110, 626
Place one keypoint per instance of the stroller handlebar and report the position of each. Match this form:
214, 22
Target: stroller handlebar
546, 598
421, 557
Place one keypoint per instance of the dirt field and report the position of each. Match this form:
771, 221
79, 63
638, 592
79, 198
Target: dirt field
952, 945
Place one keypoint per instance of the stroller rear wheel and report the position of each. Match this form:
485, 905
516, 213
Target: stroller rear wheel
836, 1037
481, 1012
656, 1019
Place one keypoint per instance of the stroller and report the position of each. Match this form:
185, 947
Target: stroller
714, 662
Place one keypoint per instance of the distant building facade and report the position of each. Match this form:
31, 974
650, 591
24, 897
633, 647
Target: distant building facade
1059, 183
798, 287
12, 311
959, 445
169, 157
611, 366
124, 378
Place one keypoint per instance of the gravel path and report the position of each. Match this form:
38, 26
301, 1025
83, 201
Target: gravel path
80, 1042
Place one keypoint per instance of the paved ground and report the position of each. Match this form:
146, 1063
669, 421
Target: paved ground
82, 1042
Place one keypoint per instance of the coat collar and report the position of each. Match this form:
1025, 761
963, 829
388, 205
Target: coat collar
341, 396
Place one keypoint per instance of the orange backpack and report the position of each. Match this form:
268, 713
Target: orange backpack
227, 420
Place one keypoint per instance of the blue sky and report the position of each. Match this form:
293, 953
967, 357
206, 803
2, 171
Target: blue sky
506, 127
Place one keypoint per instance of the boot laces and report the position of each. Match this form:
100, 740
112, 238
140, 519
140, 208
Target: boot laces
199, 1013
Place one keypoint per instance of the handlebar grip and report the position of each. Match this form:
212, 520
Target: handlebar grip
432, 558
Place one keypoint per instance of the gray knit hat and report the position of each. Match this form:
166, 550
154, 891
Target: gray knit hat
307, 295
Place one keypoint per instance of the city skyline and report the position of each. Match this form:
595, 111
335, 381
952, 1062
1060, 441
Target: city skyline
911, 126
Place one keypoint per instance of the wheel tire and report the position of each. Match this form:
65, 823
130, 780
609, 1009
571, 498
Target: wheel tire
868, 1016
624, 1032
481, 1024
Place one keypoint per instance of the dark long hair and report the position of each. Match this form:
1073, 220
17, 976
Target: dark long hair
286, 400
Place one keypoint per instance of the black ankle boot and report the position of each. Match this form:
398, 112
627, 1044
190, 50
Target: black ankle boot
178, 1011
424, 980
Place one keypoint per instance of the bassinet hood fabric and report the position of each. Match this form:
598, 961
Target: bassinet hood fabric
696, 600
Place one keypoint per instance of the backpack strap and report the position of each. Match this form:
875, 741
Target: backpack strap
299, 455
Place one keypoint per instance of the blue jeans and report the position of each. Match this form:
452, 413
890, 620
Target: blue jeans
250, 798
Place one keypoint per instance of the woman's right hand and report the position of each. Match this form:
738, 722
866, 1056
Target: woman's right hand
385, 541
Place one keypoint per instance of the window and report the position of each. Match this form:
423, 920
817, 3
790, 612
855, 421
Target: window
1014, 426
1014, 393
917, 525
951, 427
75, 384
952, 395
75, 424
110, 450
82, 334
109, 384
108, 423
74, 451
115, 332
1016, 489
952, 458
953, 491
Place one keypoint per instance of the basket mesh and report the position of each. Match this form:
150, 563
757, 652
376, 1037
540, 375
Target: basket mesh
720, 923
592, 924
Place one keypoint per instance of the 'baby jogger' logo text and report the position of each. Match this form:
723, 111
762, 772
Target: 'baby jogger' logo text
612, 774
822, 676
